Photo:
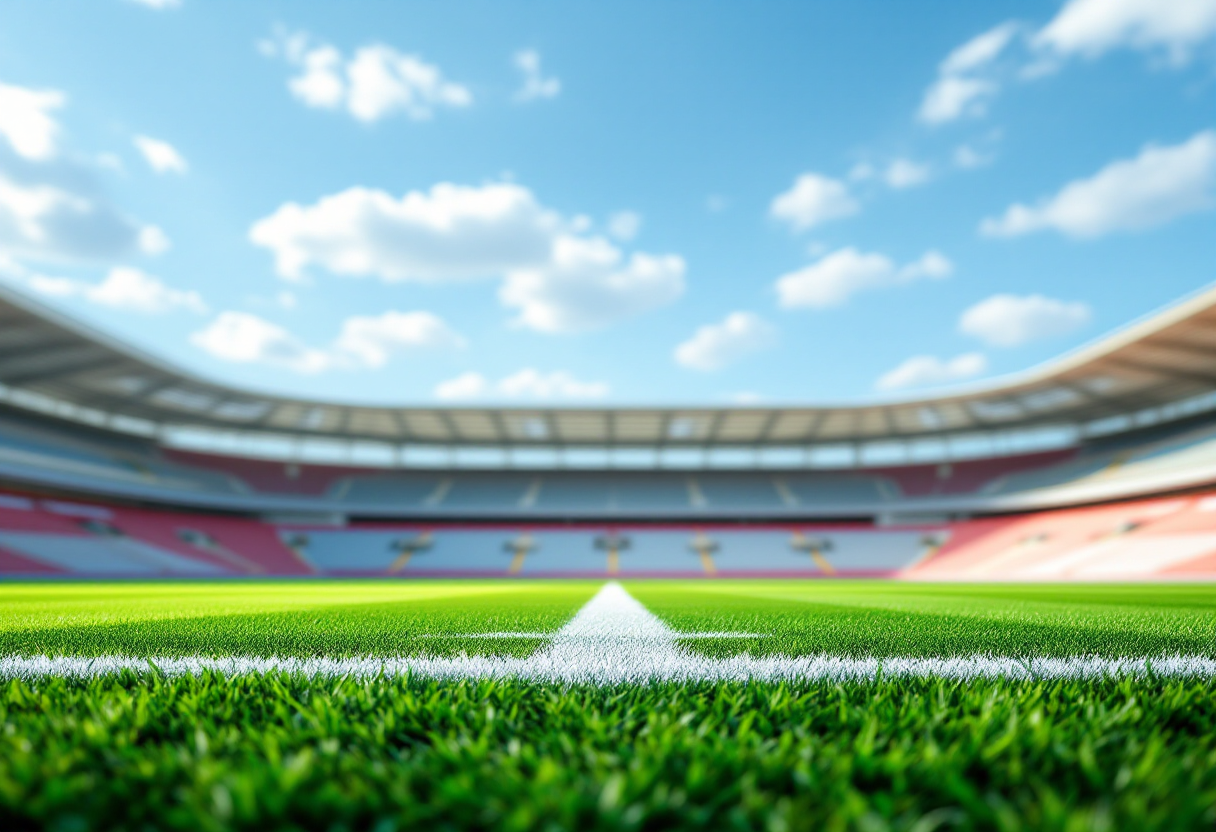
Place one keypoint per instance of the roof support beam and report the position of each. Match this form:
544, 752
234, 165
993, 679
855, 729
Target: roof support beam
1166, 371
812, 432
766, 430
66, 371
1184, 347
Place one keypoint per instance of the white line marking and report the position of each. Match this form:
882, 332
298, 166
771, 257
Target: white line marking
683, 669
681, 636
485, 635
614, 640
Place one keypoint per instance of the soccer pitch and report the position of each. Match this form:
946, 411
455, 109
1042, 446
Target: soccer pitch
645, 704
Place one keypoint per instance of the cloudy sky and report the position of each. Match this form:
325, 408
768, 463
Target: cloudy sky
628, 202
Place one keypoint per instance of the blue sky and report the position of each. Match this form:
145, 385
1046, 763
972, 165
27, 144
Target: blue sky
631, 203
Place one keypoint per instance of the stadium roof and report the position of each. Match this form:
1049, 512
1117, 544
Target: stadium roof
1161, 360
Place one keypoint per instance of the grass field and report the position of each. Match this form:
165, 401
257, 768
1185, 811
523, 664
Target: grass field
653, 728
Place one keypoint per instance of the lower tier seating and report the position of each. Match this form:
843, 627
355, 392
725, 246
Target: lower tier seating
1170, 538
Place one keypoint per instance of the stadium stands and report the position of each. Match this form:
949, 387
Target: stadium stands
1083, 468
641, 551
46, 537
56, 455
266, 476
1164, 538
42, 536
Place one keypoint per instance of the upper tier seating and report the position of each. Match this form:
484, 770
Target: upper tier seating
817, 489
389, 488
267, 476
43, 453
1119, 460
31, 450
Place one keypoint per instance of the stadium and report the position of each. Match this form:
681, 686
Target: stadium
1095, 466
624, 417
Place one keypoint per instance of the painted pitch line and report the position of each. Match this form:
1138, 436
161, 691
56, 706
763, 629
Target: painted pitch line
508, 635
677, 669
613, 639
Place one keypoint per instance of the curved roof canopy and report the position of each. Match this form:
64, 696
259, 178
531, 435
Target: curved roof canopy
1164, 359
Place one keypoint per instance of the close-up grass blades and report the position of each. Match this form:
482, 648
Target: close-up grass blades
382, 746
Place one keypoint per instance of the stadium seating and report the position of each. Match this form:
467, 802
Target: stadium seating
69, 511
38, 453
1171, 537
39, 537
587, 551
267, 476
391, 488
103, 465
965, 476
1164, 538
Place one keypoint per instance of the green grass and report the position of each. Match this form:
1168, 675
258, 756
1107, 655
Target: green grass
282, 618
382, 618
263, 753
270, 752
869, 618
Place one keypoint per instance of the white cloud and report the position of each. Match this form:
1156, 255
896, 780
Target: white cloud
624, 225
26, 122
558, 282
450, 232
123, 288
370, 341
969, 78
814, 199
716, 203
588, 284
464, 386
161, 156
952, 97
980, 51
528, 383
55, 214
962, 88
1090, 28
927, 370
535, 85
833, 279
382, 81
1012, 320
243, 338
153, 241
932, 264
905, 173
364, 341
715, 346
159, 5
377, 82
320, 83
131, 289
1159, 185
52, 206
